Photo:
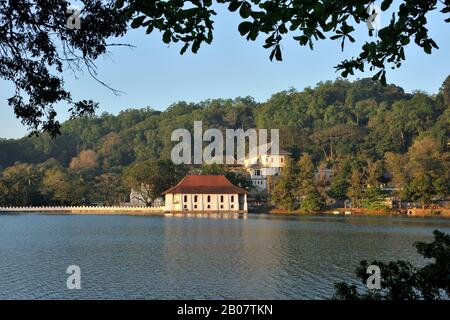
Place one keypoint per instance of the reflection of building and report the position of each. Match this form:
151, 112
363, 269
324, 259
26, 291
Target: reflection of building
264, 165
205, 193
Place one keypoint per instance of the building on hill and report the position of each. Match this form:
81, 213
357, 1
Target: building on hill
265, 165
205, 193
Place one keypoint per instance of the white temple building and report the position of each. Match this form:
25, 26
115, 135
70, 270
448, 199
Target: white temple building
213, 193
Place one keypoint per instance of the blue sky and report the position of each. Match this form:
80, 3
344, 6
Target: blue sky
155, 74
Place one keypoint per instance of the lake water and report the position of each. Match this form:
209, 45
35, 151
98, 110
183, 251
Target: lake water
136, 257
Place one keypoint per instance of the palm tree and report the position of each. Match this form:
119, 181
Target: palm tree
30, 181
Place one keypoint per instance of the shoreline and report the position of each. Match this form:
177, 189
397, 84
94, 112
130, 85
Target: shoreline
160, 211
361, 212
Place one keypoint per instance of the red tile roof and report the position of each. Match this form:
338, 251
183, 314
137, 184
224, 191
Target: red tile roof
204, 185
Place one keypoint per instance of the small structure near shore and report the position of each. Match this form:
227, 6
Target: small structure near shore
195, 193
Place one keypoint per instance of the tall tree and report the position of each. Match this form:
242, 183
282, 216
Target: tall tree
284, 192
305, 175
150, 178
57, 186
356, 187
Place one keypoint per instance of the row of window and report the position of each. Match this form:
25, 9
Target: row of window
209, 206
208, 198
270, 159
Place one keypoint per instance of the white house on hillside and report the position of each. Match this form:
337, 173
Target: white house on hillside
265, 165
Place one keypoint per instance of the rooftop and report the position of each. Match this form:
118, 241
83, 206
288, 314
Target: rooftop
269, 148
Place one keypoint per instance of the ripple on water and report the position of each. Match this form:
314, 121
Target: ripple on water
263, 257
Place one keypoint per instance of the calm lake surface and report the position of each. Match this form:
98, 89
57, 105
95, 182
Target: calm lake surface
136, 257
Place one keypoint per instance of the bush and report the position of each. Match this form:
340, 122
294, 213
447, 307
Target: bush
312, 202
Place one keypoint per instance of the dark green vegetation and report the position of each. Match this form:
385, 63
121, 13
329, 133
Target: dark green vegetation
402, 281
36, 45
370, 135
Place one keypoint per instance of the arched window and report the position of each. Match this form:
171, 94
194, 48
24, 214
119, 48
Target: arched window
208, 199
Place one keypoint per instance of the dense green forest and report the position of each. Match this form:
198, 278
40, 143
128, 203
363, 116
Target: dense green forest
367, 133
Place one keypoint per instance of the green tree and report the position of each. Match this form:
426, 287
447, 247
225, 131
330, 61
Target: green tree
286, 187
311, 199
150, 178
397, 167
21, 184
110, 189
355, 190
57, 186
312, 202
421, 189
445, 92
428, 171
305, 175
340, 183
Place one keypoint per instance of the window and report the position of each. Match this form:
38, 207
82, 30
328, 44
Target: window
282, 159
221, 206
221, 198
209, 207
208, 199
232, 198
195, 198
185, 198
185, 206
232, 206
195, 206
257, 172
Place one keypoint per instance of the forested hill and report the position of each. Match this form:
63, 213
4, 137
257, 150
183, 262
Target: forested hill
368, 134
331, 121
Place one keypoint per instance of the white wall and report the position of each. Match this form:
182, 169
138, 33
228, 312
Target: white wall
186, 202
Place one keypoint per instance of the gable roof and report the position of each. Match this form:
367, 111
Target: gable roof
205, 185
